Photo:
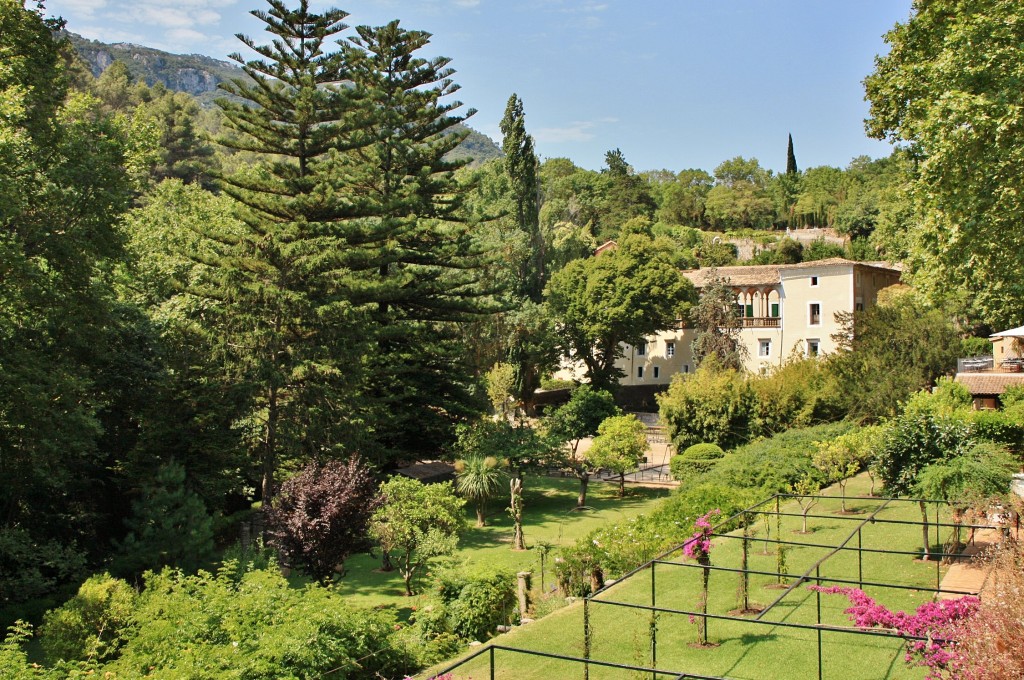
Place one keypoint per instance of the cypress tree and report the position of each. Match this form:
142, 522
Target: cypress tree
521, 167
283, 284
520, 164
790, 158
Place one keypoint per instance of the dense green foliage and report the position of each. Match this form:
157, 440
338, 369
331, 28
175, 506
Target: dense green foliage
772, 465
889, 351
949, 89
712, 406
169, 525
68, 417
474, 604
231, 624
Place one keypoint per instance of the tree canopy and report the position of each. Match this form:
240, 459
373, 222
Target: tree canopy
949, 90
621, 296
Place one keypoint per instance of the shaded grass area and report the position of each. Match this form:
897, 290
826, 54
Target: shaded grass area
549, 518
745, 649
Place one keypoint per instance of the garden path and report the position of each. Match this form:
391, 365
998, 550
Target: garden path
971, 571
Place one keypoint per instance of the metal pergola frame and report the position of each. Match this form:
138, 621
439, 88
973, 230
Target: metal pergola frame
811, 575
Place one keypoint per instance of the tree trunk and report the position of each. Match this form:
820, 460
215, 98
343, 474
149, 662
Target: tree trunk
925, 555
408, 583
958, 518
269, 449
804, 529
596, 579
518, 540
407, 574
385, 561
842, 492
622, 484
702, 622
480, 521
581, 500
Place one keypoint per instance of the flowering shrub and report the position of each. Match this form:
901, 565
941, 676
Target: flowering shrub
698, 545
936, 621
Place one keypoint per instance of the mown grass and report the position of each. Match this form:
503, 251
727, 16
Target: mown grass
548, 518
744, 649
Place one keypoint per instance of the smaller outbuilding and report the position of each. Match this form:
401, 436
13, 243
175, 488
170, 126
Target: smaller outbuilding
989, 377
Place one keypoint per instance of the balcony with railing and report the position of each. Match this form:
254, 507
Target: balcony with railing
986, 364
761, 322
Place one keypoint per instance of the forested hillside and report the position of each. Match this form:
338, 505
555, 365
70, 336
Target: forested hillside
199, 76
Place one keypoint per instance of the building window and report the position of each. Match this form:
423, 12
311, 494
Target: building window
657, 372
764, 348
812, 348
814, 282
815, 309
641, 349
775, 310
670, 349
686, 368
859, 305
640, 372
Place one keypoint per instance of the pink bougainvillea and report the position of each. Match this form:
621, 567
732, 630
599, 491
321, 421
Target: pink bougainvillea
698, 545
935, 621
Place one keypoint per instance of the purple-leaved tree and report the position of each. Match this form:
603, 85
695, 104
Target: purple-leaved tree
321, 515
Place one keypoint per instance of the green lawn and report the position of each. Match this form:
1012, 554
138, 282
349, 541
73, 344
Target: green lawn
549, 517
746, 650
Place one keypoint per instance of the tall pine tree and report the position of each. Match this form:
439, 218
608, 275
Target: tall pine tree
284, 285
419, 261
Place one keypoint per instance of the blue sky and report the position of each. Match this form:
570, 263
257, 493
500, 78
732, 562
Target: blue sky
673, 83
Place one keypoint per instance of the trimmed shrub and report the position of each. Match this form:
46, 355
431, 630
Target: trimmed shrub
696, 460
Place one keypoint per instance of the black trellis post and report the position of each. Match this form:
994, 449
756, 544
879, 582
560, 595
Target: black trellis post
860, 560
817, 574
492, 663
586, 638
654, 624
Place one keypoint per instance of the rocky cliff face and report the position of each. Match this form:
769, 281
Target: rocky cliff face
192, 73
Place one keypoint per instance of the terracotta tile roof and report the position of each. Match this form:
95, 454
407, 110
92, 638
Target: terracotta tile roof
771, 274
989, 383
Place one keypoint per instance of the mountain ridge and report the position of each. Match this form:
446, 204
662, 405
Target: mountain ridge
200, 75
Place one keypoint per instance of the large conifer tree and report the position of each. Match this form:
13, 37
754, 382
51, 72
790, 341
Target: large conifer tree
420, 261
284, 286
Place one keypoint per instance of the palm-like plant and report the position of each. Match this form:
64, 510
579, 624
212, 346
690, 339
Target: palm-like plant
478, 478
